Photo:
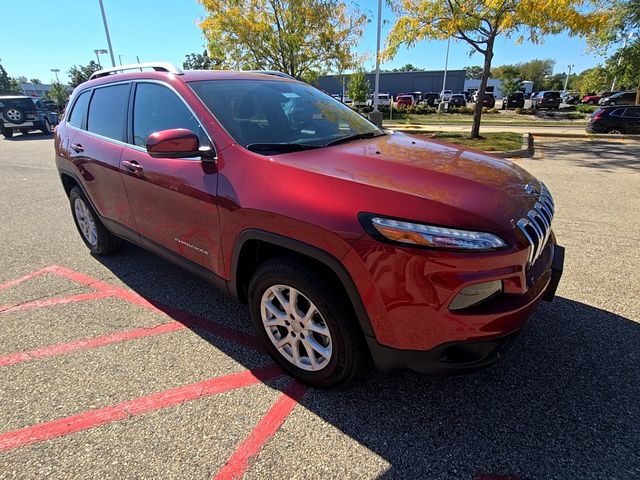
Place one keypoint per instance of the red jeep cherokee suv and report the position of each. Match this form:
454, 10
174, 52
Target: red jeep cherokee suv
347, 241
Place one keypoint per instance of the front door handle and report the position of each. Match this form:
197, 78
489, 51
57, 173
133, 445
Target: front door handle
132, 165
76, 147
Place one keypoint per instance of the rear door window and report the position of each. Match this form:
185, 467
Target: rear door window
79, 111
632, 112
108, 110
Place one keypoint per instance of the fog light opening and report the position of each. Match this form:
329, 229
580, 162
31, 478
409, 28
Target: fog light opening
475, 294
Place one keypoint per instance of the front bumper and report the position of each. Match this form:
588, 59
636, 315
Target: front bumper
458, 357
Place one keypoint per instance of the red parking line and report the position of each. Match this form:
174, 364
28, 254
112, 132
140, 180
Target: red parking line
102, 416
60, 348
50, 302
266, 428
24, 278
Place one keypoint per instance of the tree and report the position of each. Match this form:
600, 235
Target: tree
298, 37
36, 81
59, 93
408, 68
473, 73
358, 87
510, 77
200, 61
480, 22
81, 73
593, 80
535, 71
22, 79
8, 85
625, 65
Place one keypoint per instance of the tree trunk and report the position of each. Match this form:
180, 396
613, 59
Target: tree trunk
638, 94
486, 72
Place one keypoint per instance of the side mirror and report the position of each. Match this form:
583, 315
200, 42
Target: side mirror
176, 143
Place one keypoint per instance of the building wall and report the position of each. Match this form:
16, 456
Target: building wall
401, 82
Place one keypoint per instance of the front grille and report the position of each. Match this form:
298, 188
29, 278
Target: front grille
536, 226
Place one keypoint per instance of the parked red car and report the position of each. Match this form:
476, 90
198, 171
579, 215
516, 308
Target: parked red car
347, 241
594, 99
404, 100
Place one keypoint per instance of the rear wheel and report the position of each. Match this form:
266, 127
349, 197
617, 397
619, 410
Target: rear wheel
46, 127
94, 234
304, 323
7, 132
615, 131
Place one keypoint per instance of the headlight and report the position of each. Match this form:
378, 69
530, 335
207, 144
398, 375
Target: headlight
432, 236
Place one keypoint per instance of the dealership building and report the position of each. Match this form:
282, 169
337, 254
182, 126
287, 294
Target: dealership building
399, 82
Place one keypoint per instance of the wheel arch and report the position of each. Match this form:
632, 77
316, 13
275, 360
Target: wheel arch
253, 247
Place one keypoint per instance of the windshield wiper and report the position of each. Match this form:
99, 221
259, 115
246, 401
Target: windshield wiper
279, 147
349, 138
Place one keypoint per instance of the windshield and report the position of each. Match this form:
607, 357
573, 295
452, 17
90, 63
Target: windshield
265, 112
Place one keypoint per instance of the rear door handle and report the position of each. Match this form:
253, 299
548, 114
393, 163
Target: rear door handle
132, 165
77, 147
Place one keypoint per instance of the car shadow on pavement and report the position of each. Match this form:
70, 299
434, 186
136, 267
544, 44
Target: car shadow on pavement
609, 154
563, 404
29, 137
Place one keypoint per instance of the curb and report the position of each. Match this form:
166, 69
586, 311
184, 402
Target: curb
527, 150
588, 136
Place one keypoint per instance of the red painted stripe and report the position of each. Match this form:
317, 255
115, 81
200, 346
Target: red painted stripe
238, 464
102, 416
24, 278
61, 348
190, 320
49, 302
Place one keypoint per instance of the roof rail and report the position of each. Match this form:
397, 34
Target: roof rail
157, 66
275, 73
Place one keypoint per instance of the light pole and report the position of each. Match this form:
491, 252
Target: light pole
106, 30
444, 79
615, 78
99, 52
56, 70
120, 59
376, 116
566, 80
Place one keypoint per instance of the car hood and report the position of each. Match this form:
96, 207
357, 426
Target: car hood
444, 181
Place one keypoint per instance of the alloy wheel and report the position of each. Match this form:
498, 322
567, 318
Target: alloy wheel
85, 221
13, 115
296, 327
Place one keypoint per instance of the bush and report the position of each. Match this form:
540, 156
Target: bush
490, 111
586, 108
575, 116
525, 111
462, 110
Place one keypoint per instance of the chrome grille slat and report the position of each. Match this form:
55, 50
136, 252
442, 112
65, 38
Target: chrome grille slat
536, 225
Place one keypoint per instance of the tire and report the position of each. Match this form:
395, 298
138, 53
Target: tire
341, 343
14, 115
591, 102
46, 127
93, 233
615, 131
7, 132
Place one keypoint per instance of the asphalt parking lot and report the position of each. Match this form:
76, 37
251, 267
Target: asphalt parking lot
127, 367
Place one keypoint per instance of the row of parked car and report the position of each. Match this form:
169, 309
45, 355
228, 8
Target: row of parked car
610, 98
20, 113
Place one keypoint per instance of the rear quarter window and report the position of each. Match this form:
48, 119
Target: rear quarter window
79, 110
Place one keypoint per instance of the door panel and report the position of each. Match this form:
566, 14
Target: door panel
173, 201
98, 164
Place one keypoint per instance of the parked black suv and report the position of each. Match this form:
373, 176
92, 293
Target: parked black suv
615, 120
22, 113
546, 100
513, 100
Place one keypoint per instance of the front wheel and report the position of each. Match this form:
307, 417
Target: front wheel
305, 323
94, 234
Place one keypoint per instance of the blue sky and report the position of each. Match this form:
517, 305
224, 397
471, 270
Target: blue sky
62, 33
